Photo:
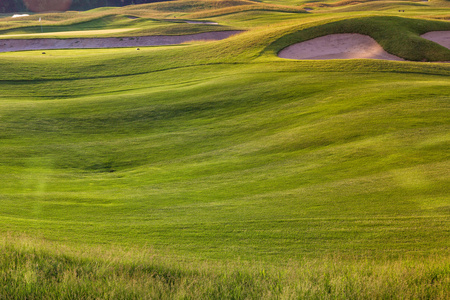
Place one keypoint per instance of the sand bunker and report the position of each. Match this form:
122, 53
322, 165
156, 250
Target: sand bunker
440, 37
338, 46
7, 45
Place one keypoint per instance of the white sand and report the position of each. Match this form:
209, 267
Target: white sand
338, 46
440, 37
7, 45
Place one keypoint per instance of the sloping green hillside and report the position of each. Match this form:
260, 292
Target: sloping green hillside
218, 170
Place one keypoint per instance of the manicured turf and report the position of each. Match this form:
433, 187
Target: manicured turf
218, 170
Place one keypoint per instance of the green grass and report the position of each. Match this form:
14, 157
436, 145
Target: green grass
218, 170
138, 27
193, 139
155, 18
93, 273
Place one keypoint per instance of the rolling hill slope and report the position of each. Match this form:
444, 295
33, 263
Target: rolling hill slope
217, 169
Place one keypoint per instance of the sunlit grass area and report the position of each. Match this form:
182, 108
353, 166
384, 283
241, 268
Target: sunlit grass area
37, 268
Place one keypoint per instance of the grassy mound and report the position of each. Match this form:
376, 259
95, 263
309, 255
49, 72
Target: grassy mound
398, 36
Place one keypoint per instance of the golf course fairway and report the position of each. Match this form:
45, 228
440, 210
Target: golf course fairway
216, 169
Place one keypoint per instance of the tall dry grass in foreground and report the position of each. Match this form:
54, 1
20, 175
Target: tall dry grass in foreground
33, 269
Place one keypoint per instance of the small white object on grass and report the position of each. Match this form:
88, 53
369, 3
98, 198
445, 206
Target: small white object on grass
19, 16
